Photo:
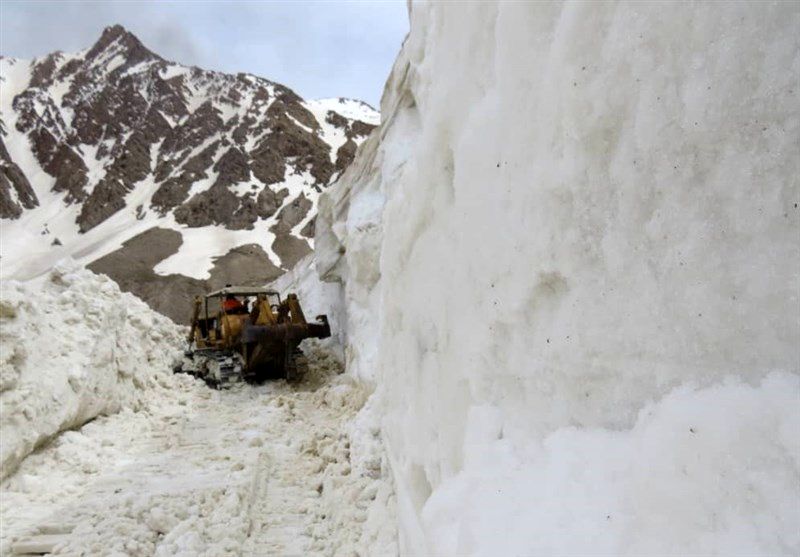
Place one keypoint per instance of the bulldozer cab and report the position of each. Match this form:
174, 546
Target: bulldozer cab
217, 323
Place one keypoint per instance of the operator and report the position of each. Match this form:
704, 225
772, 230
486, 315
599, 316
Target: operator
232, 304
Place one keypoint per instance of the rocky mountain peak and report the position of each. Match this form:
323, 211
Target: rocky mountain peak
100, 146
118, 41
113, 32
120, 48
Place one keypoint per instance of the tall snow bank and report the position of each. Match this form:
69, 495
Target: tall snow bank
569, 259
316, 298
73, 347
702, 472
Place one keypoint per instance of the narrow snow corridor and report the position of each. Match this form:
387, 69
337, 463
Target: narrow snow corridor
261, 470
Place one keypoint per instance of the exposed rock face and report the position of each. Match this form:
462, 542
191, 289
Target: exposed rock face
345, 154
117, 132
246, 265
268, 201
16, 193
290, 248
286, 245
131, 267
292, 214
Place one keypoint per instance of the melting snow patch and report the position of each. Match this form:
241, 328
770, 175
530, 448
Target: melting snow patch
349, 108
173, 70
201, 246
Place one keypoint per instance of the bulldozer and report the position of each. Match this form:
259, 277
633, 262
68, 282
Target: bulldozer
231, 340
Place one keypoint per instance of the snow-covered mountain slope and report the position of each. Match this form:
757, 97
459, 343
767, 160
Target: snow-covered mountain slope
102, 146
569, 262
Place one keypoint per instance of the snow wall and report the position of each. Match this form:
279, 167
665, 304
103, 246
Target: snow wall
72, 347
569, 261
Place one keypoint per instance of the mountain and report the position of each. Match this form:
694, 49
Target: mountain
163, 176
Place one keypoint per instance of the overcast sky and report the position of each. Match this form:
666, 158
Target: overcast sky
319, 49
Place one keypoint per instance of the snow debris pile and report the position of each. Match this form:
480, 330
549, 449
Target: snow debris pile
568, 261
172, 477
74, 347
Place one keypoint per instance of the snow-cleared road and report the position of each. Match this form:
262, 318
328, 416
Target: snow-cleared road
268, 470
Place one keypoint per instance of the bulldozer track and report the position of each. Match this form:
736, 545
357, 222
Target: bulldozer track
280, 523
219, 368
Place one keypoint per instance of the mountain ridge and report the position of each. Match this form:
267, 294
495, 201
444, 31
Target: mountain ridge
99, 146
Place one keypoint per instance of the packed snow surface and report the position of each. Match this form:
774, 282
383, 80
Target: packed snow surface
570, 262
267, 470
72, 347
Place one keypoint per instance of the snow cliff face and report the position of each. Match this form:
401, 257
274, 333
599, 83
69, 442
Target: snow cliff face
102, 146
75, 347
569, 261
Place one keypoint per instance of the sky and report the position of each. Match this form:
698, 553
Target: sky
318, 49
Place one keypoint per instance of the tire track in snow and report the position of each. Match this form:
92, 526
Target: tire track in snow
306, 445
279, 519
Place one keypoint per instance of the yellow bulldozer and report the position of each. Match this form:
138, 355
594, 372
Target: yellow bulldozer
244, 333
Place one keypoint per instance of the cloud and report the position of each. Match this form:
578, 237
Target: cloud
172, 42
319, 49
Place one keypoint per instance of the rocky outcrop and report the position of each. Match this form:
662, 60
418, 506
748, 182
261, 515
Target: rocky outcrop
269, 201
247, 265
345, 154
287, 246
290, 249
132, 265
292, 214
16, 193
